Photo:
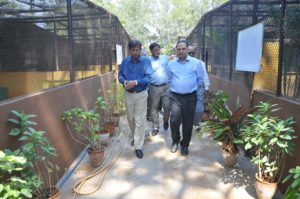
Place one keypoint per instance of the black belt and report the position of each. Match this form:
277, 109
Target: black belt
159, 85
129, 91
184, 94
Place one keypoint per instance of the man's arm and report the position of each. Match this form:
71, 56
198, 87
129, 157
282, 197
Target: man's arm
199, 73
121, 76
205, 77
148, 73
168, 70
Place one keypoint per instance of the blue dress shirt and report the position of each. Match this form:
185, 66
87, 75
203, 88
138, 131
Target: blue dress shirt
159, 66
140, 71
184, 78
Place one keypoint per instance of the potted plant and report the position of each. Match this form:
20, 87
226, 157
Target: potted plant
271, 137
37, 149
101, 107
86, 126
224, 124
293, 191
120, 108
14, 179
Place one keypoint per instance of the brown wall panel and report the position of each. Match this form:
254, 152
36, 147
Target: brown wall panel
234, 90
48, 106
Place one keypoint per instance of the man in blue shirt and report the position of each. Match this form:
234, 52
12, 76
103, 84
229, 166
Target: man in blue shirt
135, 75
185, 75
159, 88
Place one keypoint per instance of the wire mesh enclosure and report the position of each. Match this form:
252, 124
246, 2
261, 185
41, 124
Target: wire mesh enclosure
216, 38
44, 43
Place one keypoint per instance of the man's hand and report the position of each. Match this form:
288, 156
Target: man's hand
129, 84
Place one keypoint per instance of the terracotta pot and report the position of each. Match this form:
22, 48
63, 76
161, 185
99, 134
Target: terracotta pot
48, 193
96, 156
110, 127
230, 158
205, 115
115, 119
55, 193
264, 190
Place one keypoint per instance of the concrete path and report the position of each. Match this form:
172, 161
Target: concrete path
165, 175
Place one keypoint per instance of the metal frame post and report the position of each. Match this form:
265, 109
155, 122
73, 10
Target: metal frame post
70, 37
203, 37
281, 43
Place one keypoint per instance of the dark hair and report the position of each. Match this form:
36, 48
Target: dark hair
134, 43
182, 41
153, 45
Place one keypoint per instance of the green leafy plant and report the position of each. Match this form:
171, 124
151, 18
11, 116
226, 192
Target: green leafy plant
115, 102
101, 107
112, 104
224, 123
120, 99
36, 149
14, 179
271, 137
293, 191
86, 125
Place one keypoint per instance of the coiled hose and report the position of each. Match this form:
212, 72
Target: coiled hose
101, 170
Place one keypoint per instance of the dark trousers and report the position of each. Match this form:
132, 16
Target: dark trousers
182, 112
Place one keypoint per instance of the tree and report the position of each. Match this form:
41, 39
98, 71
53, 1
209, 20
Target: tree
160, 21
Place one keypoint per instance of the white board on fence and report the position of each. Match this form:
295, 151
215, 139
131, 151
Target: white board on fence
119, 53
249, 48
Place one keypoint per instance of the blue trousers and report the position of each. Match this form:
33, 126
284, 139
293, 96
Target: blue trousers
199, 105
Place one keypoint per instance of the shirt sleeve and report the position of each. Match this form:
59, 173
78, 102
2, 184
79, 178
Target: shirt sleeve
205, 77
121, 76
148, 73
168, 71
199, 73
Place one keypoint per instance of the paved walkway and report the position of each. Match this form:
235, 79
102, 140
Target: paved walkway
164, 175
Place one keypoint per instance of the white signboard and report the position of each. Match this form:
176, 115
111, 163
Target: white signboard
119, 53
249, 48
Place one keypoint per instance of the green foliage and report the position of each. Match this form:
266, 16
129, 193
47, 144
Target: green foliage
160, 21
223, 123
36, 149
36, 146
86, 125
115, 103
14, 179
22, 123
119, 99
271, 137
293, 191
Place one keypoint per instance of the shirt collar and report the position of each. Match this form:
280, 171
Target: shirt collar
188, 58
139, 59
154, 58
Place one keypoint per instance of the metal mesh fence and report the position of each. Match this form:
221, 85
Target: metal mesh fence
45, 43
216, 38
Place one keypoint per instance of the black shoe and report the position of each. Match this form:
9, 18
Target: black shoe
132, 143
154, 132
184, 151
139, 153
174, 147
166, 125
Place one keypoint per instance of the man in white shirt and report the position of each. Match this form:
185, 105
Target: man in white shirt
202, 89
